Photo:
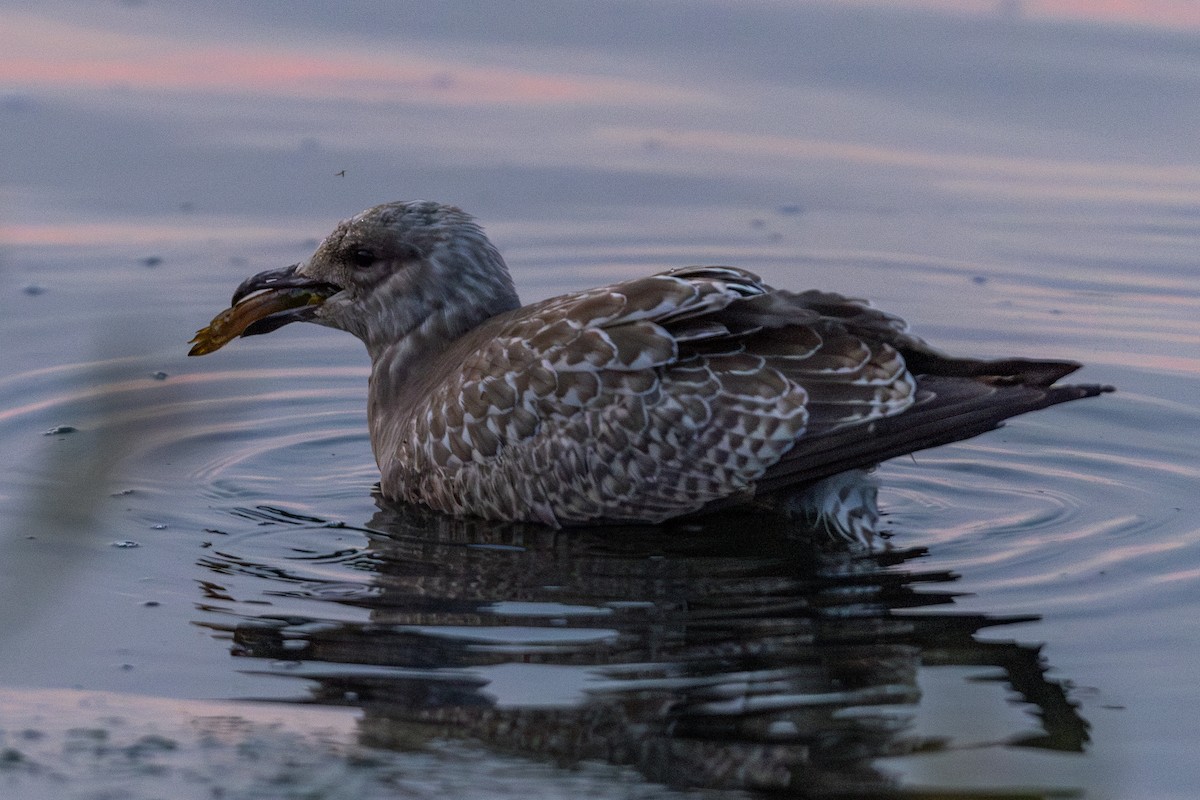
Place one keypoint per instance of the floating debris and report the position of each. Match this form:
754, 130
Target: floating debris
10, 758
33, 289
126, 544
60, 430
791, 209
159, 376
151, 261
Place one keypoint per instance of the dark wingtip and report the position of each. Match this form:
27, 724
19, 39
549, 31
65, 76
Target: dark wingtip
1078, 391
998, 372
1031, 372
954, 409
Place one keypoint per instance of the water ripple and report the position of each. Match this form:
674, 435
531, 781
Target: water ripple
732, 652
1037, 512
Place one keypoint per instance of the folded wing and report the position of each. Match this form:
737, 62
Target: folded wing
686, 391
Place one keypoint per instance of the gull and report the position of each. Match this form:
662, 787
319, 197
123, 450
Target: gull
681, 393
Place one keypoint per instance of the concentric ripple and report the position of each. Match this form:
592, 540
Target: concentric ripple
203, 436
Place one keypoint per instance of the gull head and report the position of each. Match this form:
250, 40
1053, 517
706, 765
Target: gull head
395, 270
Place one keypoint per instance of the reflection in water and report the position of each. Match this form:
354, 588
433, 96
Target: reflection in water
733, 654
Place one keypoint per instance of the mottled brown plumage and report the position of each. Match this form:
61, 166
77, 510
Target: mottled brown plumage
676, 393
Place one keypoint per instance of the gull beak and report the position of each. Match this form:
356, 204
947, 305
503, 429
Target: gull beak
262, 303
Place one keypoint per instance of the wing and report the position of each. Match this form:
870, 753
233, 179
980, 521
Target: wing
647, 399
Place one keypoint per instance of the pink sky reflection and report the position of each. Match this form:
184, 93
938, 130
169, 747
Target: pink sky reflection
45, 54
1181, 14
72, 233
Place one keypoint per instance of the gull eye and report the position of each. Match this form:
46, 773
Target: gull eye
361, 257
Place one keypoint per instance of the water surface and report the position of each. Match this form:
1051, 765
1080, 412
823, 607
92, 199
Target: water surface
184, 530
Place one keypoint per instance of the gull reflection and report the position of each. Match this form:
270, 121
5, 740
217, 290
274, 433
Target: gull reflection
733, 653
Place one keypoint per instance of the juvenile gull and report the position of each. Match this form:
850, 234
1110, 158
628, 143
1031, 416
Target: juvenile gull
687, 391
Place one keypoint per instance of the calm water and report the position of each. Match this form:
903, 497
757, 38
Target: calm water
181, 531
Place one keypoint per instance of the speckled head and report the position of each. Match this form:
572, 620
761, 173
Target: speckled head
391, 271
